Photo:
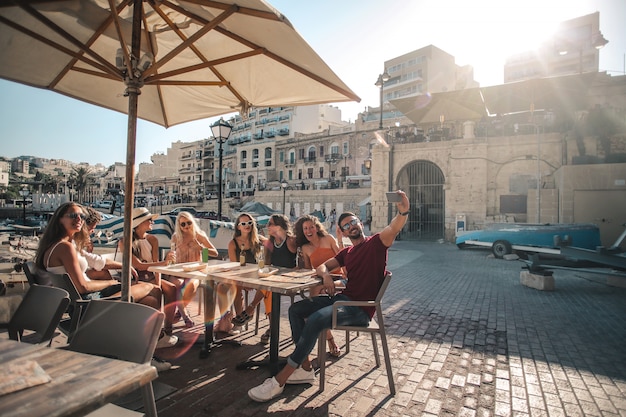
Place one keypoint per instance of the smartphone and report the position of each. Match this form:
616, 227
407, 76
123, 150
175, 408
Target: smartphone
393, 197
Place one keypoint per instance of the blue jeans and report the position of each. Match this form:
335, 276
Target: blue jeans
309, 317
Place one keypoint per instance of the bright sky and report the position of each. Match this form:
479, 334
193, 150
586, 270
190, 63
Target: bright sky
354, 37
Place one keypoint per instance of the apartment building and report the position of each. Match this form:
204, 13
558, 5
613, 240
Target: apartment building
425, 70
573, 49
248, 156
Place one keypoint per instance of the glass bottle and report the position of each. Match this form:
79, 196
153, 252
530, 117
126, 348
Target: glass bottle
173, 251
242, 258
260, 257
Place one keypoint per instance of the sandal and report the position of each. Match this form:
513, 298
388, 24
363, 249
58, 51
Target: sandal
189, 323
334, 349
265, 337
241, 318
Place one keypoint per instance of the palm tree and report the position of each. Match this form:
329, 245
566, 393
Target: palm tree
79, 180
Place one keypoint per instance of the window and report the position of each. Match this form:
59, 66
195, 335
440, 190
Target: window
300, 154
255, 153
311, 153
244, 155
334, 148
321, 151
345, 148
309, 173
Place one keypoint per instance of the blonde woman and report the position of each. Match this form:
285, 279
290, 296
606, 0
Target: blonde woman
248, 241
189, 241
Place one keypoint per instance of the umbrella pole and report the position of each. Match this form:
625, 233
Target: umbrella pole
132, 91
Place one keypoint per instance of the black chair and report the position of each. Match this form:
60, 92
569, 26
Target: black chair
376, 325
124, 331
40, 311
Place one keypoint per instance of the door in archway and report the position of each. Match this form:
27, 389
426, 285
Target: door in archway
423, 182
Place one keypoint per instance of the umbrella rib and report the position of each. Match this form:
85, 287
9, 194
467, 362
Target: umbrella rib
267, 53
54, 45
206, 64
241, 10
48, 23
289, 64
189, 41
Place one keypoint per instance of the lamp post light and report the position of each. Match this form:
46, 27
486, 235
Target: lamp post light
368, 164
221, 132
380, 83
24, 192
597, 41
284, 184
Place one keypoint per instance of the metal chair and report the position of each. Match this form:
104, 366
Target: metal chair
375, 326
120, 330
40, 311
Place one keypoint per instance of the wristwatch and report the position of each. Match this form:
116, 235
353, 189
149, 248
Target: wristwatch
405, 213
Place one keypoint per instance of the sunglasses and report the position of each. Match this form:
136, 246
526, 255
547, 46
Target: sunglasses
75, 216
185, 224
348, 225
248, 223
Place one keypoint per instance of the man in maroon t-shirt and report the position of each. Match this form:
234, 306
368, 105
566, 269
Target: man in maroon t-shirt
365, 262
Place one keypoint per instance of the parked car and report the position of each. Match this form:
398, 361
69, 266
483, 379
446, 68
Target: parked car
103, 204
504, 238
211, 215
177, 210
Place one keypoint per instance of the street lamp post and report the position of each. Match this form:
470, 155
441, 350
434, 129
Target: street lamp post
284, 184
221, 131
380, 83
24, 193
161, 194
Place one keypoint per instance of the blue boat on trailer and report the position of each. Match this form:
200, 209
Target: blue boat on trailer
505, 238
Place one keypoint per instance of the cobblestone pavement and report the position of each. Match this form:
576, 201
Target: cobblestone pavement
466, 339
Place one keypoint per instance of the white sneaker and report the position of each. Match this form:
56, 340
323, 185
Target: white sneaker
235, 330
301, 376
166, 341
266, 391
160, 365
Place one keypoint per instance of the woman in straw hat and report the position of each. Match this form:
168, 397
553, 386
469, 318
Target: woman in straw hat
145, 248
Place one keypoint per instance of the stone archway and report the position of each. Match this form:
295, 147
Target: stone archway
423, 182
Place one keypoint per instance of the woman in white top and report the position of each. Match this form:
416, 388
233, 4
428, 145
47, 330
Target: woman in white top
57, 252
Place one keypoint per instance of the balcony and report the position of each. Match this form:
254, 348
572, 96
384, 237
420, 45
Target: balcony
258, 136
333, 157
310, 159
270, 134
284, 131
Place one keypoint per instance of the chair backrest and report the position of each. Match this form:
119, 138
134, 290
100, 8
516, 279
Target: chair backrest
29, 268
43, 277
118, 329
41, 310
383, 287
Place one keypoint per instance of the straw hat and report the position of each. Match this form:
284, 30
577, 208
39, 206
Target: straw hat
140, 215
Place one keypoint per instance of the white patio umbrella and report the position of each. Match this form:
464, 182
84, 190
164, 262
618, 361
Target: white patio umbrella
187, 59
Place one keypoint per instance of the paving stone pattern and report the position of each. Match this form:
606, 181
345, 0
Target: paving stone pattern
466, 339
